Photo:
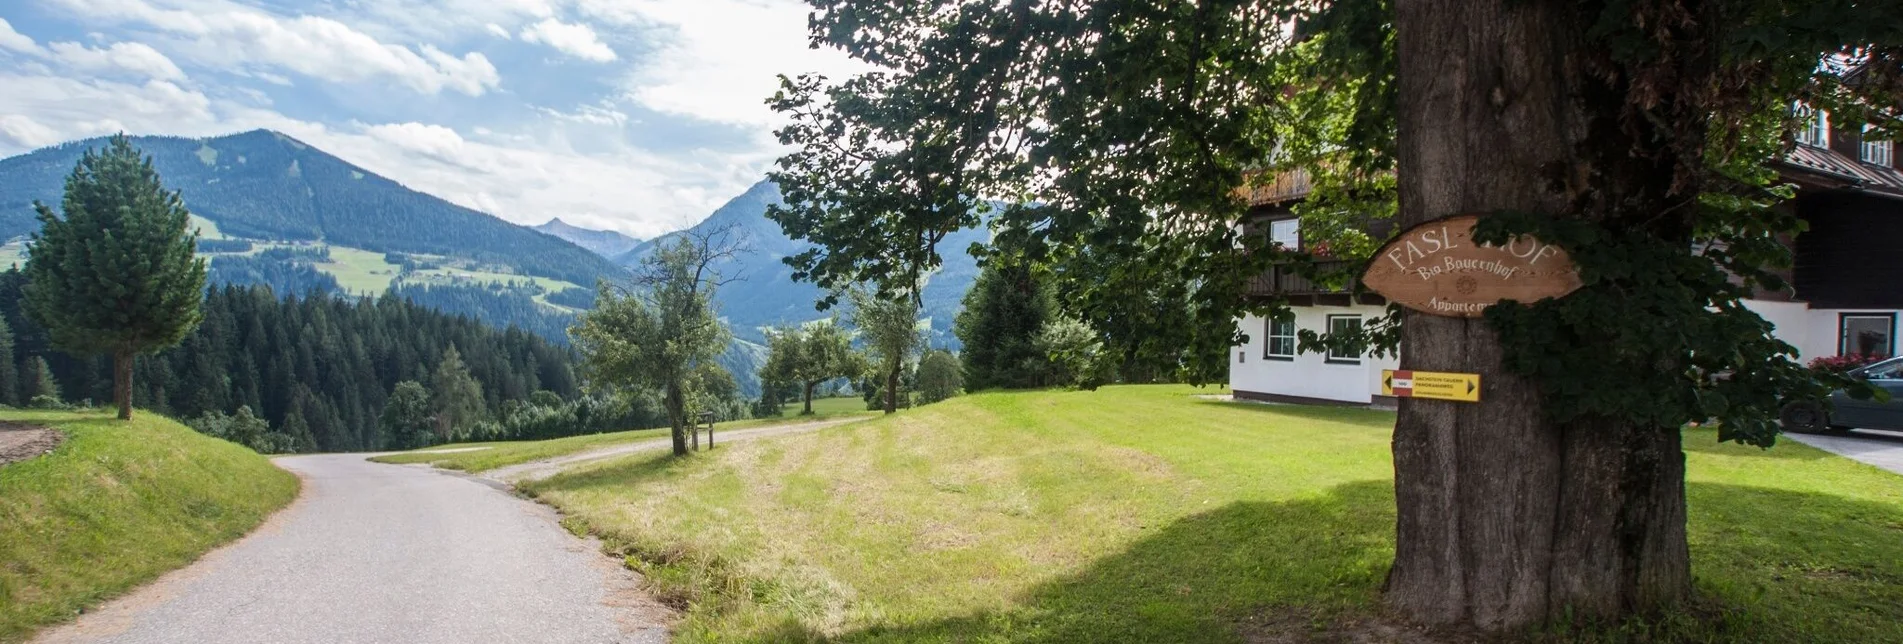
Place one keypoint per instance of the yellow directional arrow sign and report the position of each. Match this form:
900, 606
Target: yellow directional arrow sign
1463, 387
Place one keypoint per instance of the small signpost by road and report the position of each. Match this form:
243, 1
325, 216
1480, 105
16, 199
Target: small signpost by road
1401, 383
707, 418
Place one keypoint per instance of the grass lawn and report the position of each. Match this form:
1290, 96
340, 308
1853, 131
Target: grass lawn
1143, 514
506, 453
117, 505
359, 271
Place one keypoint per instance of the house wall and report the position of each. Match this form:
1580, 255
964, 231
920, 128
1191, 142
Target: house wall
1309, 377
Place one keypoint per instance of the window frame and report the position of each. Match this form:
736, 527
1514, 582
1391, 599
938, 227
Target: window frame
1268, 340
1329, 356
1296, 222
1816, 129
1868, 150
1843, 328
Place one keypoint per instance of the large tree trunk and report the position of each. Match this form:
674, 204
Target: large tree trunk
122, 383
808, 410
1505, 518
892, 390
677, 417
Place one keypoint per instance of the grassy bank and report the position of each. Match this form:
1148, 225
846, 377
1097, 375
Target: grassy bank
117, 505
480, 457
1145, 514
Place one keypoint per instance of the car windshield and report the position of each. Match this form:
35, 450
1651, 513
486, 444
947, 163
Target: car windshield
1891, 369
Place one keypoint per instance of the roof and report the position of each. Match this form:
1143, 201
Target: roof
1844, 171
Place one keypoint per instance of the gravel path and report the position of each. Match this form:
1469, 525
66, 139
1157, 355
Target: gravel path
1882, 449
388, 553
538, 470
19, 442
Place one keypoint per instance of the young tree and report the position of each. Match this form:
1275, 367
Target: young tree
117, 274
9, 374
406, 421
889, 327
1002, 314
1074, 352
939, 376
1624, 132
810, 355
36, 382
456, 396
655, 334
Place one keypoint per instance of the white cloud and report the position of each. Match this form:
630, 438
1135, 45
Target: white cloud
225, 35
137, 58
17, 130
723, 57
16, 41
576, 40
498, 31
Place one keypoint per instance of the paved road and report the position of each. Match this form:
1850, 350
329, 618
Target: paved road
537, 470
1882, 449
389, 553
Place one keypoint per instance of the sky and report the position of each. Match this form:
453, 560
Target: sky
641, 116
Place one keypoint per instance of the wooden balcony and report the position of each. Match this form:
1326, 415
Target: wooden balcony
1284, 187
1284, 281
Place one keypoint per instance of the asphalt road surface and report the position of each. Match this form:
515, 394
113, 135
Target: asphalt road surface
389, 553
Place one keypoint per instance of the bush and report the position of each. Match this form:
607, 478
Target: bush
1841, 364
1076, 355
939, 377
244, 428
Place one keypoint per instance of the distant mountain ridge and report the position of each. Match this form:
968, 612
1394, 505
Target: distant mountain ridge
767, 295
266, 185
606, 243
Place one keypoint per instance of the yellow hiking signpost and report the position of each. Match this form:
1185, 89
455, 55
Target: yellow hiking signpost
1462, 387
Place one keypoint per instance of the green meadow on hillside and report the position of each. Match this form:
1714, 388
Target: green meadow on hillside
117, 505
1147, 514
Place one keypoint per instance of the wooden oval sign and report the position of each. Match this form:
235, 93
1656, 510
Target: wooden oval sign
1437, 268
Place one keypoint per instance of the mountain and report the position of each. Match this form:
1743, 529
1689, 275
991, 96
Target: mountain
267, 186
606, 243
766, 295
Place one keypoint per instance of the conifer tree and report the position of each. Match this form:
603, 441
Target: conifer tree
457, 397
36, 380
9, 375
115, 272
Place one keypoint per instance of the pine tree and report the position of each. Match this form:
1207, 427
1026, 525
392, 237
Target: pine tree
117, 274
9, 375
36, 381
1003, 312
457, 397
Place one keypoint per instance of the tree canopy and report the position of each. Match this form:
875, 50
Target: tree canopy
115, 272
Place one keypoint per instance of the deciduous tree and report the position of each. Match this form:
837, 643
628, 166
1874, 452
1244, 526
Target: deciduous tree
655, 332
115, 271
889, 327
939, 376
1623, 131
809, 355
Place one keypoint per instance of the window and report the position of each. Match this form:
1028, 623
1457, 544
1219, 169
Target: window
1867, 334
1875, 152
1813, 126
1341, 325
1286, 233
1281, 340
1891, 370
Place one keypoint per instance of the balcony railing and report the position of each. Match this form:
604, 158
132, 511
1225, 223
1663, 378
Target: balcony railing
1286, 186
1283, 280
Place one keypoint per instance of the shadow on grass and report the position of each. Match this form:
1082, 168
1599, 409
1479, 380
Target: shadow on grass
1199, 579
621, 471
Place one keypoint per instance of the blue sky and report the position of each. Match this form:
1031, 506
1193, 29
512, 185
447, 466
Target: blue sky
634, 115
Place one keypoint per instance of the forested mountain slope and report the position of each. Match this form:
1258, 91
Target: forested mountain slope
766, 294
265, 185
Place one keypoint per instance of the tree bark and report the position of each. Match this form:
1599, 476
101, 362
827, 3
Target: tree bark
892, 391
808, 410
1507, 519
122, 383
676, 417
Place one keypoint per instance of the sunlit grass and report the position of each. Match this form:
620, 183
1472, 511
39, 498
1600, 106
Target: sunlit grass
1145, 514
482, 457
117, 505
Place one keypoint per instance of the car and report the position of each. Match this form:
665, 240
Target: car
1846, 412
